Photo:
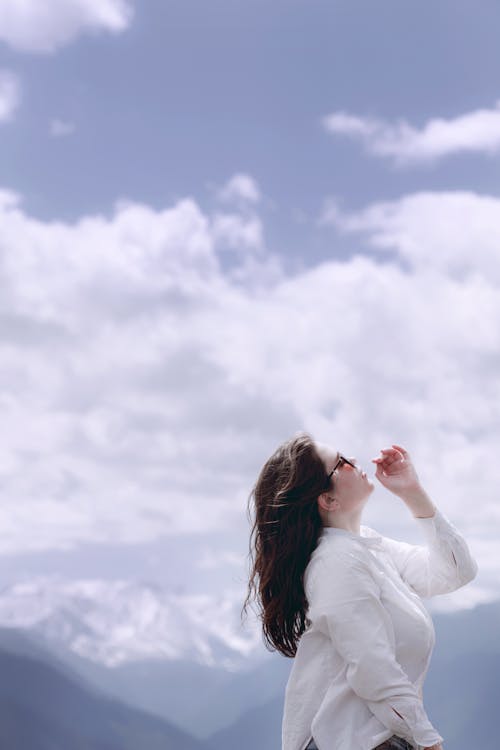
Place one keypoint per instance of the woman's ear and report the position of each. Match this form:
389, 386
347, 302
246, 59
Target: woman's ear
326, 502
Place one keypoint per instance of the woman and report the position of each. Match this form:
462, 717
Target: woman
345, 601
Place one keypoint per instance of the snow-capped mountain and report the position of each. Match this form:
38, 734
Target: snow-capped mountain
114, 622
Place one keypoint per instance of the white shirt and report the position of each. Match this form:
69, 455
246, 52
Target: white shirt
359, 670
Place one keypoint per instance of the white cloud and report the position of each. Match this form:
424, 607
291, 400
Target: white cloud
10, 94
111, 300
60, 128
241, 188
43, 27
345, 124
454, 233
144, 381
210, 559
238, 232
477, 131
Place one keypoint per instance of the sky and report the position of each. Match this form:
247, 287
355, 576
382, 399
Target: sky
225, 222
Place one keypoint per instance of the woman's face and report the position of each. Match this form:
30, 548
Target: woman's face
350, 484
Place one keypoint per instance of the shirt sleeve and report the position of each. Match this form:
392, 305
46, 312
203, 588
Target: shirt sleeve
441, 566
347, 607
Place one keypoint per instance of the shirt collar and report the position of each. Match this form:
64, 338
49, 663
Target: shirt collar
368, 537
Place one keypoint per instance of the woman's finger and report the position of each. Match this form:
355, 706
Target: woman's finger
392, 456
401, 450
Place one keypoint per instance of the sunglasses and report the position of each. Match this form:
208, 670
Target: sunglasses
342, 460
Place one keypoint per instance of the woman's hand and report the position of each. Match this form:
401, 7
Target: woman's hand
396, 472
434, 747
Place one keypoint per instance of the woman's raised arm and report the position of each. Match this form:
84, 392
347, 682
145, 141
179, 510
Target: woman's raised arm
444, 563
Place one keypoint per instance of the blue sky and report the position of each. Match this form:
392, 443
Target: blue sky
191, 92
221, 223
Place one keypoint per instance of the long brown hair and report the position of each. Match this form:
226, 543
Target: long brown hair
284, 533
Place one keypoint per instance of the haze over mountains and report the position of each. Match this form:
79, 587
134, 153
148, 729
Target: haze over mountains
44, 707
136, 656
115, 622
